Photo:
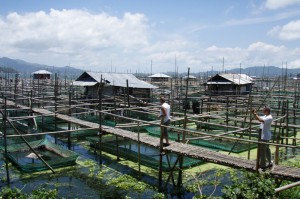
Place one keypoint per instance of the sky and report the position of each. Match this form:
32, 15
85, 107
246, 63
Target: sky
152, 36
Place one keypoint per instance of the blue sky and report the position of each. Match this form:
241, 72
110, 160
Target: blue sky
129, 35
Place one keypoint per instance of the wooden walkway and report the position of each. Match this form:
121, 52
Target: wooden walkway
187, 150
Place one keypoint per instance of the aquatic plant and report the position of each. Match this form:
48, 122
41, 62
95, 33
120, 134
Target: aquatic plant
158, 196
40, 193
127, 182
12, 193
201, 180
249, 186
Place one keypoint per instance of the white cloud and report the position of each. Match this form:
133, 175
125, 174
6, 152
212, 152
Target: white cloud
277, 4
294, 64
256, 54
259, 20
263, 47
290, 31
73, 33
95, 41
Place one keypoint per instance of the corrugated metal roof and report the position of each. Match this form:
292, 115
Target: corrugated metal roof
42, 72
190, 77
83, 83
219, 83
239, 79
159, 75
117, 79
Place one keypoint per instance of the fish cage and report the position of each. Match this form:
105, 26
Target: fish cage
27, 161
48, 124
213, 143
149, 156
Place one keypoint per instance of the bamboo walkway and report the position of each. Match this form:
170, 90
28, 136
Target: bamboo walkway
187, 150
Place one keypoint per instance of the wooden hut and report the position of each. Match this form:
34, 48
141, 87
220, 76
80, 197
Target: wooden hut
159, 77
114, 83
41, 74
229, 84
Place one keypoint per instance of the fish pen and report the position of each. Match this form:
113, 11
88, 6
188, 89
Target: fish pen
116, 124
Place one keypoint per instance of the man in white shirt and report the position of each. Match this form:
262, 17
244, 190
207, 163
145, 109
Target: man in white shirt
165, 114
266, 135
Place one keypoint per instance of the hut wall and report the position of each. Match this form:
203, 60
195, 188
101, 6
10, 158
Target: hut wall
159, 79
41, 76
229, 89
92, 91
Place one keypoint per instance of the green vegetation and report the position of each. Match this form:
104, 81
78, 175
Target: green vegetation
250, 186
40, 193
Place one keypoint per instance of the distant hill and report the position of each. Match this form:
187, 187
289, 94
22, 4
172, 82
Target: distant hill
258, 71
7, 70
24, 67
266, 71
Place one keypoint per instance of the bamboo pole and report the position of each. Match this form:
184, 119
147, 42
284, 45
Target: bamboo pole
100, 89
4, 115
160, 153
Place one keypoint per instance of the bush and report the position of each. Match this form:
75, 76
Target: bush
250, 186
8, 193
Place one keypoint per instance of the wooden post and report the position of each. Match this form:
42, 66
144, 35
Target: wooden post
38, 87
5, 143
172, 96
43, 119
69, 123
160, 153
139, 151
100, 88
250, 127
127, 86
276, 158
287, 123
294, 122
258, 150
115, 105
22, 86
55, 106
227, 112
117, 145
16, 87
181, 158
287, 126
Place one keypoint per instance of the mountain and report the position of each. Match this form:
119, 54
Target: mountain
24, 67
267, 71
258, 71
27, 68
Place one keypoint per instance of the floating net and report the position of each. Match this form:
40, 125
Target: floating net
48, 124
219, 144
149, 156
95, 119
23, 158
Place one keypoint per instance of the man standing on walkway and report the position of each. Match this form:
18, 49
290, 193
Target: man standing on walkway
266, 135
165, 114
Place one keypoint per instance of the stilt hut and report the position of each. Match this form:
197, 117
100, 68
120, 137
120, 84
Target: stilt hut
41, 74
115, 83
159, 78
229, 84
